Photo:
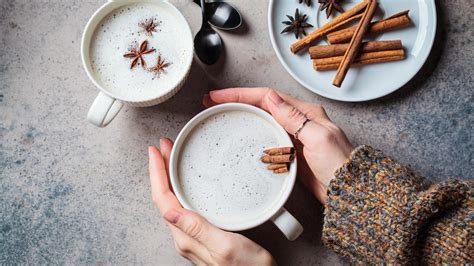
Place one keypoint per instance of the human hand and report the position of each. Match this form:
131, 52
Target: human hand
323, 146
195, 238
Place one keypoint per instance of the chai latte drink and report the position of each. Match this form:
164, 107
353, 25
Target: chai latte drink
220, 171
122, 32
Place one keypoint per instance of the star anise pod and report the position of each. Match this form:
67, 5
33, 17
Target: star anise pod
137, 54
307, 2
149, 26
330, 5
296, 24
160, 66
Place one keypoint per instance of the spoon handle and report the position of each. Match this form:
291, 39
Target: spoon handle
203, 10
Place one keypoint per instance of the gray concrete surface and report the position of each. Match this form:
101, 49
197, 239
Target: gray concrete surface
72, 193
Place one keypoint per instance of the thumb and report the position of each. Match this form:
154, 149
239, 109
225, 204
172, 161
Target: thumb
195, 226
287, 115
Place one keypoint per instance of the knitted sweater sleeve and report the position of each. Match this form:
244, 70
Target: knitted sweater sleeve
379, 211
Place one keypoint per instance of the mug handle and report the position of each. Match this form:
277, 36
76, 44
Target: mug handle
287, 224
103, 110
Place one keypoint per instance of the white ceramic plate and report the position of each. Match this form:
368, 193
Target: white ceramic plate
361, 83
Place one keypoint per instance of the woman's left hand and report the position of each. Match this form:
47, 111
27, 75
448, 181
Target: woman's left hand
195, 238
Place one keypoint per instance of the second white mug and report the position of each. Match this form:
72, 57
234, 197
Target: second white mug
273, 209
109, 102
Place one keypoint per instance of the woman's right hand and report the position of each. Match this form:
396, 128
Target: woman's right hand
195, 238
324, 147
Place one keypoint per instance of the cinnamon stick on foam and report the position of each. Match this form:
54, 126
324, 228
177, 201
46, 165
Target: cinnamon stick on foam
325, 51
277, 166
340, 20
280, 170
285, 158
331, 63
355, 43
396, 21
282, 150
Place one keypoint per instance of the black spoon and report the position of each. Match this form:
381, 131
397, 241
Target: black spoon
207, 43
222, 15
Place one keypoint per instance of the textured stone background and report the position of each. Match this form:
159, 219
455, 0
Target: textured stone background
73, 193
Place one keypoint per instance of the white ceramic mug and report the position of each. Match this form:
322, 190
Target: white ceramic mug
290, 227
107, 105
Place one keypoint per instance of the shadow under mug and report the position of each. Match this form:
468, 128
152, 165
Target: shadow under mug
107, 104
276, 213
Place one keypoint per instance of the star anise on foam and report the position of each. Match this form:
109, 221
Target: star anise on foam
160, 66
307, 2
137, 54
330, 5
149, 26
296, 24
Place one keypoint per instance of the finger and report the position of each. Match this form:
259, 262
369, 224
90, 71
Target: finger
197, 227
157, 168
166, 146
291, 118
252, 96
256, 96
160, 189
312, 111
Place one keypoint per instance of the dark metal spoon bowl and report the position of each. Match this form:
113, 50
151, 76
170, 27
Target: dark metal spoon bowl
207, 43
222, 15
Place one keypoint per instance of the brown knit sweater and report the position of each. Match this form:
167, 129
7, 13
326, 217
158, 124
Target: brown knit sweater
379, 211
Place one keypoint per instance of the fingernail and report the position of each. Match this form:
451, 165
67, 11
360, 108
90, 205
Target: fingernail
150, 149
214, 92
275, 98
172, 216
161, 142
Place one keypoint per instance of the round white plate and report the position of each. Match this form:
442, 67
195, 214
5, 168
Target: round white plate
361, 83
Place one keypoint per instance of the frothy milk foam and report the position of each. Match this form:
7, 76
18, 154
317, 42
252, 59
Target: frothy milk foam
219, 169
118, 32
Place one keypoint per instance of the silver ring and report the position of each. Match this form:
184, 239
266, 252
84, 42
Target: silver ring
301, 128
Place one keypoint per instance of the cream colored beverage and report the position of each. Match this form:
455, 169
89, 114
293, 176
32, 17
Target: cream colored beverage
122, 32
219, 169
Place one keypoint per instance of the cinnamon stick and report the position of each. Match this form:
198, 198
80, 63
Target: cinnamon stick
281, 150
359, 63
332, 63
363, 56
324, 51
285, 158
355, 43
277, 166
340, 20
396, 21
280, 170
